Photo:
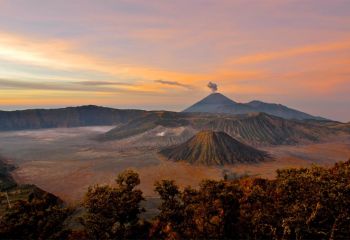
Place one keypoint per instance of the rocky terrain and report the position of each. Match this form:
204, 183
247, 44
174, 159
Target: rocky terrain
258, 129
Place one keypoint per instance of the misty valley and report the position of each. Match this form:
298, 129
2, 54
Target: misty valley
65, 152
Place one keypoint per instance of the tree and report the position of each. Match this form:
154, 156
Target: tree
316, 202
259, 211
212, 212
215, 210
113, 212
168, 223
42, 216
305, 203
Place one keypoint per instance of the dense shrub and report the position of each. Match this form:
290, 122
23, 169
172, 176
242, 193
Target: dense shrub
42, 216
113, 212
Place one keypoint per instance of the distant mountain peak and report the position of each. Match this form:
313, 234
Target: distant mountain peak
217, 98
219, 103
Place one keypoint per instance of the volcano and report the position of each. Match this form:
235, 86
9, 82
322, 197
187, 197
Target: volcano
219, 103
214, 148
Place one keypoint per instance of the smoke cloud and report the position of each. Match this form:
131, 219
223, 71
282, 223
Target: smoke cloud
212, 86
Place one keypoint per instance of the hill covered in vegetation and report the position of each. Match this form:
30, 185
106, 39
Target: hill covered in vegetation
28, 212
6, 180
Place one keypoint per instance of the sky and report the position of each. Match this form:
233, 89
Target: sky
161, 54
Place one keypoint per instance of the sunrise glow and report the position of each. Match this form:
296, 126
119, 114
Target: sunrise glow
160, 55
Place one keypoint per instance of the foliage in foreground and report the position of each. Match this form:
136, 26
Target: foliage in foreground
113, 212
305, 203
40, 217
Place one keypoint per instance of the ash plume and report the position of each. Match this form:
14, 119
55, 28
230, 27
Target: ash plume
212, 86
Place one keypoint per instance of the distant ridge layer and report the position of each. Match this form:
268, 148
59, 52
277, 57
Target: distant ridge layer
218, 103
254, 129
64, 117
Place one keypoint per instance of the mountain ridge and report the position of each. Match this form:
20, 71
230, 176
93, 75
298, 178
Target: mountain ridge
219, 103
87, 115
257, 129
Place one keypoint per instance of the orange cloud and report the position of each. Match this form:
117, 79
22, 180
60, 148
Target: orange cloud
275, 55
65, 56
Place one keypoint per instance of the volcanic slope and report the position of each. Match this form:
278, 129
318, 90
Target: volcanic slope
264, 129
214, 148
144, 123
345, 127
218, 103
258, 129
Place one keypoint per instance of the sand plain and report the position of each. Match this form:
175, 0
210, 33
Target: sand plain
66, 161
